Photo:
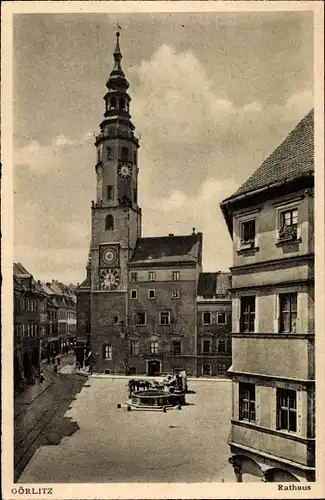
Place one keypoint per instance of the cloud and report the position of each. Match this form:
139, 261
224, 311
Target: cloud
42, 158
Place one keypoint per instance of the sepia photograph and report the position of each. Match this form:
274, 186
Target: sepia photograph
159, 295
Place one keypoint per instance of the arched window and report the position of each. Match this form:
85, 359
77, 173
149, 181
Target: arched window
113, 102
122, 103
109, 223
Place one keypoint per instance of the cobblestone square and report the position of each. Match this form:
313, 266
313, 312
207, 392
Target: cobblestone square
114, 445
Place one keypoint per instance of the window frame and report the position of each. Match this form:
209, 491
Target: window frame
109, 192
292, 313
176, 294
154, 347
247, 405
222, 341
249, 243
244, 298
202, 318
210, 369
164, 311
133, 276
108, 349
176, 276
137, 317
225, 316
284, 412
152, 276
154, 293
205, 342
281, 210
132, 344
133, 291
179, 344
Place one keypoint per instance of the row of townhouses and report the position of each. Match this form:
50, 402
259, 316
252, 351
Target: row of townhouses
146, 306
44, 323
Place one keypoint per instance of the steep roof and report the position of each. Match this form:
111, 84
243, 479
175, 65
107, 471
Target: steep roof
213, 284
20, 271
85, 283
167, 249
293, 158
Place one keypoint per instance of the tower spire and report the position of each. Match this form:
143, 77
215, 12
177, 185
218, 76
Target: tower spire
117, 79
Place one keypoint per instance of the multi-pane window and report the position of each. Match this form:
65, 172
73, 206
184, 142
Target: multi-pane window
140, 318
247, 402
247, 314
154, 347
177, 348
288, 224
287, 409
134, 294
107, 351
221, 346
221, 369
206, 369
151, 294
206, 346
110, 191
176, 276
206, 318
152, 276
164, 318
248, 233
134, 276
175, 294
134, 347
288, 312
221, 318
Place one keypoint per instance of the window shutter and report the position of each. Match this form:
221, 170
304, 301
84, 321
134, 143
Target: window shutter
300, 307
235, 395
257, 403
273, 405
299, 412
236, 304
276, 321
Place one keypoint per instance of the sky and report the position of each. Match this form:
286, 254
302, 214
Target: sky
213, 94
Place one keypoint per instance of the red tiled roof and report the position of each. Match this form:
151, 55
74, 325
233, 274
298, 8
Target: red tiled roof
293, 158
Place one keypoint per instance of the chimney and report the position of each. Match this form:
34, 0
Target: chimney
193, 230
171, 234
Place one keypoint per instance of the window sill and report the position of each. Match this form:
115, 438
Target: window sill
247, 250
287, 241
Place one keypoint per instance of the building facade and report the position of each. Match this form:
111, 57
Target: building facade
214, 324
271, 222
137, 307
27, 300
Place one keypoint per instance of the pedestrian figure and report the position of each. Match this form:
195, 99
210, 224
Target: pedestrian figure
48, 360
55, 369
41, 378
58, 360
53, 360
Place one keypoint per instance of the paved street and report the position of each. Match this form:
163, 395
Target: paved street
113, 445
39, 413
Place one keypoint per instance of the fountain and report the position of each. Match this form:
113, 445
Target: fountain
157, 399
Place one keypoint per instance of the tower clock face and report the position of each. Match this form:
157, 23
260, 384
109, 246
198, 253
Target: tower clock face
109, 256
124, 170
109, 279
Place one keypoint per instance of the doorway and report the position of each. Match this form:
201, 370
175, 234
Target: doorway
153, 368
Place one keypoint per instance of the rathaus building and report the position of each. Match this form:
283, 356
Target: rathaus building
145, 305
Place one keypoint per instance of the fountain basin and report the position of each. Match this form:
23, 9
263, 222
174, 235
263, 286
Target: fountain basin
156, 399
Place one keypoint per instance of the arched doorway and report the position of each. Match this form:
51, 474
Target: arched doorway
153, 367
27, 367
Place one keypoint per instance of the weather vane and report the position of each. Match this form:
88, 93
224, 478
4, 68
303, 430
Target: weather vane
118, 26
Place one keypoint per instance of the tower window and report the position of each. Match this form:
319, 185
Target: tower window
124, 153
109, 153
109, 223
122, 103
110, 192
113, 103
